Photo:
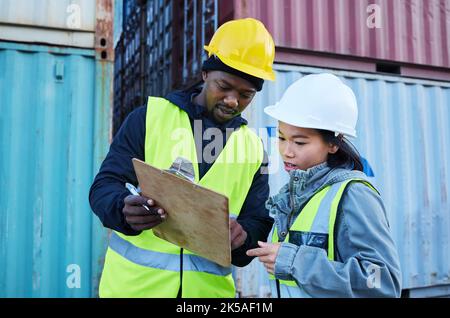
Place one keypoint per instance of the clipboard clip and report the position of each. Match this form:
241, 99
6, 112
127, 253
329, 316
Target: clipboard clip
182, 168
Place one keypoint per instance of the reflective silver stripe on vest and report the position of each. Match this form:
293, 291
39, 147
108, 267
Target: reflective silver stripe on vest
321, 221
164, 261
197, 263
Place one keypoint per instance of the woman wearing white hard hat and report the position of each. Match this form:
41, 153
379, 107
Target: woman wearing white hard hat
331, 236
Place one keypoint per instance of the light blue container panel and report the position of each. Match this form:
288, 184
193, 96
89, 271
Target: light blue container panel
403, 132
54, 132
118, 18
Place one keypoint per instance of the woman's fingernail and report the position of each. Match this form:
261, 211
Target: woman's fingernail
150, 202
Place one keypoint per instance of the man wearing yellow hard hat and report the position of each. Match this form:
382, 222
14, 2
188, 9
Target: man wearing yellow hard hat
139, 264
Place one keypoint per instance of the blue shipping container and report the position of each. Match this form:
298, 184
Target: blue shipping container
55, 113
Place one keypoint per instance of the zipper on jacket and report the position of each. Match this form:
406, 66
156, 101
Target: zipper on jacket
291, 199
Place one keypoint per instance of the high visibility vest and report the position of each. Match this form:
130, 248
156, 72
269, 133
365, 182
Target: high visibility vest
147, 266
314, 226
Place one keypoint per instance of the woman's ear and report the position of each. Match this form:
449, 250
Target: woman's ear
332, 148
204, 75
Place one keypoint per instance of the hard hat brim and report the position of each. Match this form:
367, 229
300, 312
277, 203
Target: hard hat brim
254, 71
274, 112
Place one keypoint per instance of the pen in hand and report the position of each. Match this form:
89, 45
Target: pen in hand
134, 191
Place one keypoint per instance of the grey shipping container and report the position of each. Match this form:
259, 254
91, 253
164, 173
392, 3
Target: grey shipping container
403, 131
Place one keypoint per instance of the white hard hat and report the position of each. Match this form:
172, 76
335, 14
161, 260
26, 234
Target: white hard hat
320, 101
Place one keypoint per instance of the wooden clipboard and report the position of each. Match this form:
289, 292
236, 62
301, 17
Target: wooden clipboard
197, 218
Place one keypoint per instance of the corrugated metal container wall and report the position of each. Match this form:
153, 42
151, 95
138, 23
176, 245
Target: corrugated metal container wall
47, 131
118, 20
197, 22
411, 31
403, 131
163, 49
55, 113
60, 22
119, 84
157, 57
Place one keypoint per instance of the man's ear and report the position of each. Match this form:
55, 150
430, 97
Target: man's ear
332, 148
204, 75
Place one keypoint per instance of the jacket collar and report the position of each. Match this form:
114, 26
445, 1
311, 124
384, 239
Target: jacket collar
304, 183
184, 100
321, 175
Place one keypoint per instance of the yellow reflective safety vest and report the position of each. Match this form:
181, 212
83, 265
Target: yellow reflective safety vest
147, 266
314, 226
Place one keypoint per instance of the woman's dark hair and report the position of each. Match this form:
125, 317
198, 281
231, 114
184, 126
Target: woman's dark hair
347, 153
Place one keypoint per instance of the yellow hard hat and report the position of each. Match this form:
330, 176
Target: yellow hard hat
245, 45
